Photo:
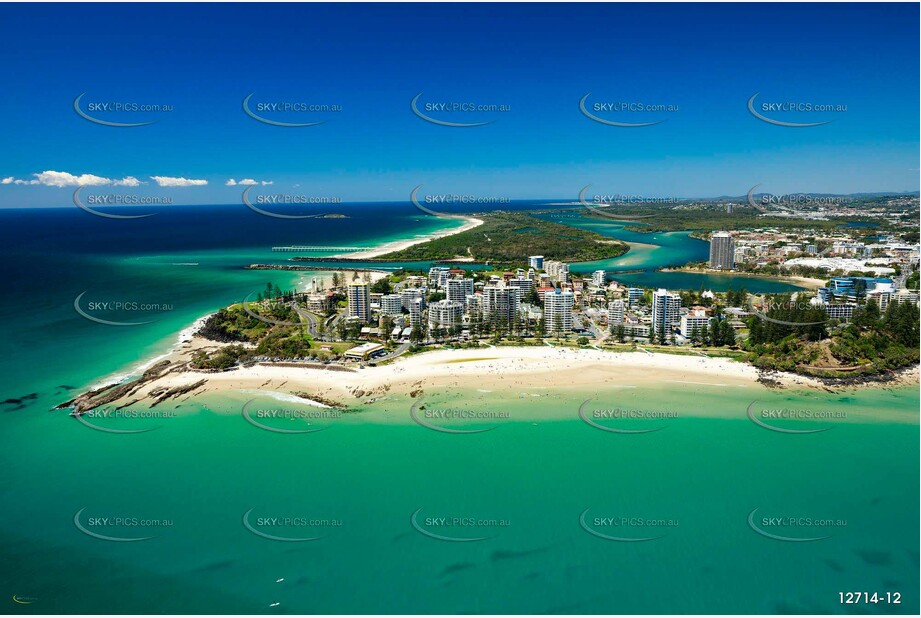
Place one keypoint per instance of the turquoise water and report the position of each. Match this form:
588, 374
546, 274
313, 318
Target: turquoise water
207, 467
365, 475
649, 251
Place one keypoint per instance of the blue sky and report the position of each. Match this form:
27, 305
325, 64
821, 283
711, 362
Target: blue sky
539, 60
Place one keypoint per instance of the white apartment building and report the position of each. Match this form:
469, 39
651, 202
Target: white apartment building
408, 295
445, 314
438, 275
558, 311
457, 289
500, 303
616, 312
391, 304
523, 285
599, 278
665, 310
696, 318
359, 301
415, 311
556, 270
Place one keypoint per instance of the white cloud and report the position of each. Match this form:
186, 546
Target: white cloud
51, 178
128, 181
248, 182
170, 181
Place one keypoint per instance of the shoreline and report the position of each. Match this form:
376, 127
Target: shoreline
505, 369
809, 283
559, 368
398, 245
186, 338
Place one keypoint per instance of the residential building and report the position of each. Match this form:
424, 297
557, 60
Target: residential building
445, 314
634, 295
408, 295
320, 303
556, 270
391, 304
415, 311
840, 311
523, 285
665, 310
697, 318
359, 301
500, 303
558, 311
536, 262
438, 275
616, 312
457, 290
722, 251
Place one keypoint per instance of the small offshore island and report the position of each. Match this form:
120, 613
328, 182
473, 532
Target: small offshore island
502, 302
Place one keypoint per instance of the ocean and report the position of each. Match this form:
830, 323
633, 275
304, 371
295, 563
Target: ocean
525, 510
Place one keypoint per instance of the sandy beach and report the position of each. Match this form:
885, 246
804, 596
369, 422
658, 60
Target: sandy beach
565, 372
398, 245
806, 282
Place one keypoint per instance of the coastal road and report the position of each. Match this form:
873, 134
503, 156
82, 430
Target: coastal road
400, 350
311, 319
599, 333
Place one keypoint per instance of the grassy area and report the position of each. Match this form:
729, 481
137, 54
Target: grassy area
253, 338
509, 238
711, 352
